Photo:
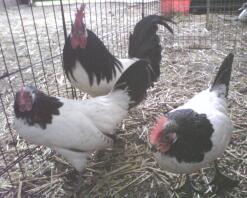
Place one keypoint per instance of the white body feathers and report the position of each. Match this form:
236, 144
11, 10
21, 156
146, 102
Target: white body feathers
243, 16
80, 127
215, 108
104, 87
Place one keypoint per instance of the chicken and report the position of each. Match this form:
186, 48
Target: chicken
189, 137
90, 66
243, 15
76, 128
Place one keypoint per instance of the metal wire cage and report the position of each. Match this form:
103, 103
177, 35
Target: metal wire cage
31, 42
206, 23
32, 39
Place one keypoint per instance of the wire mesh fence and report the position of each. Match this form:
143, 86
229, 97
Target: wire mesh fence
209, 24
31, 43
32, 39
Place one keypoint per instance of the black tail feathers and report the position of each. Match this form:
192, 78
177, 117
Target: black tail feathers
135, 80
224, 74
144, 43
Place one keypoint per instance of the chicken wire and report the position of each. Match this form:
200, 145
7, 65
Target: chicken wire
31, 43
211, 24
32, 39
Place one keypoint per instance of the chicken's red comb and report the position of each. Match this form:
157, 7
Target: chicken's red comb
80, 14
156, 130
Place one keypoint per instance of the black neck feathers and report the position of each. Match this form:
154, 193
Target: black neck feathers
194, 133
95, 59
43, 109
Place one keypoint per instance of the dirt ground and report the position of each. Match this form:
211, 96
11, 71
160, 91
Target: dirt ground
189, 61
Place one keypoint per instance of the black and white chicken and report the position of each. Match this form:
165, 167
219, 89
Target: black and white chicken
75, 128
90, 66
189, 137
243, 15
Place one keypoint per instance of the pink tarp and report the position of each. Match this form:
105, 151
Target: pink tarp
175, 6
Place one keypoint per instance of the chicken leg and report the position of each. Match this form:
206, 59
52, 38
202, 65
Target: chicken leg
221, 181
187, 189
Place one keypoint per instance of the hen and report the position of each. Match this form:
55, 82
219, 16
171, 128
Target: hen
243, 15
189, 137
76, 128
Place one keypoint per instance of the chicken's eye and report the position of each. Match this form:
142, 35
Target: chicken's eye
166, 138
164, 135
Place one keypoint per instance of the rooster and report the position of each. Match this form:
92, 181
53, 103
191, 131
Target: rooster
76, 128
90, 66
189, 137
